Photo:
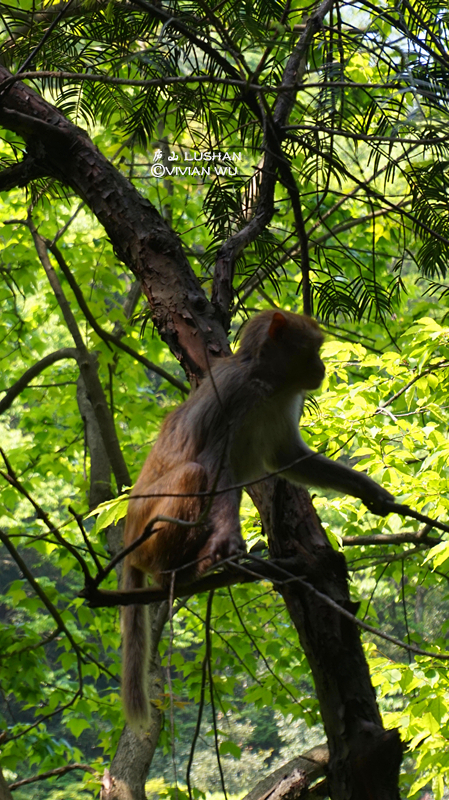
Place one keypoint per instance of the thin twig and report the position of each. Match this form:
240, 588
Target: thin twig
87, 541
428, 371
169, 680
51, 773
212, 701
106, 336
291, 579
202, 697
11, 477
44, 38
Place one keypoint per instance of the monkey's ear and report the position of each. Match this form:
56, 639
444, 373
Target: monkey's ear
277, 323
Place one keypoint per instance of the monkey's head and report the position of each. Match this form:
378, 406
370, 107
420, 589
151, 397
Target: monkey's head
285, 347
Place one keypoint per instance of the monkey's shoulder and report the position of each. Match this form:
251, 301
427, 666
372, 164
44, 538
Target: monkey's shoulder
269, 425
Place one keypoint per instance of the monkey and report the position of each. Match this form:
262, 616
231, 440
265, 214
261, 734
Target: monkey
240, 424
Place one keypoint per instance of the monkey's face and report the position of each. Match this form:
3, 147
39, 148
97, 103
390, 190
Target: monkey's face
311, 370
301, 349
287, 349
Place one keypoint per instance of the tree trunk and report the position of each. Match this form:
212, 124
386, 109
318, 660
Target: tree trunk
132, 760
364, 758
5, 794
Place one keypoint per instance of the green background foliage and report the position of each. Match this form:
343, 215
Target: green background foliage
371, 167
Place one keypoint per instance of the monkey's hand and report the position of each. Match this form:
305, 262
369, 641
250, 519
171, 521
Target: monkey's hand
225, 539
224, 544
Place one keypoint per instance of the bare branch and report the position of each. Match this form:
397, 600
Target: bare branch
105, 335
33, 372
51, 773
420, 537
274, 160
87, 368
274, 570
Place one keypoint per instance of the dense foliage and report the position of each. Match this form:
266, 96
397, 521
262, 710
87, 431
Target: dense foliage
355, 230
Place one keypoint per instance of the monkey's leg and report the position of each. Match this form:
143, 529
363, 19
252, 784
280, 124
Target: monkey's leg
225, 539
179, 494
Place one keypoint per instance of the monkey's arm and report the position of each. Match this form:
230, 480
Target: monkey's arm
308, 468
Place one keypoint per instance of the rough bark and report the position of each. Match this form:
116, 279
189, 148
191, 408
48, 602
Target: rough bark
364, 758
313, 764
132, 760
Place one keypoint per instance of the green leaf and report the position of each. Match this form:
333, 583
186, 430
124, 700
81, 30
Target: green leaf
231, 749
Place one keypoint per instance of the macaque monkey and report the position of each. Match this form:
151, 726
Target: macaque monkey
241, 424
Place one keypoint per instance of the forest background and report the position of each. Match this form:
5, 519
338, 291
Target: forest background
236, 157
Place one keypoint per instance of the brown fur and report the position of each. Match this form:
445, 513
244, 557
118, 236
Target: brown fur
240, 424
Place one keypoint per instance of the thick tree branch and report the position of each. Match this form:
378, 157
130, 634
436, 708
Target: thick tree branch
282, 572
222, 291
5, 793
142, 240
20, 175
313, 763
294, 70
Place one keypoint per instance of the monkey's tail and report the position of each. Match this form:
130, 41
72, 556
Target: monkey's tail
136, 653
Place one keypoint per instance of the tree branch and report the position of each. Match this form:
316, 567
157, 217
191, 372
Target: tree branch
33, 372
141, 238
281, 572
20, 175
51, 608
420, 537
274, 160
313, 763
105, 335
87, 367
51, 773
